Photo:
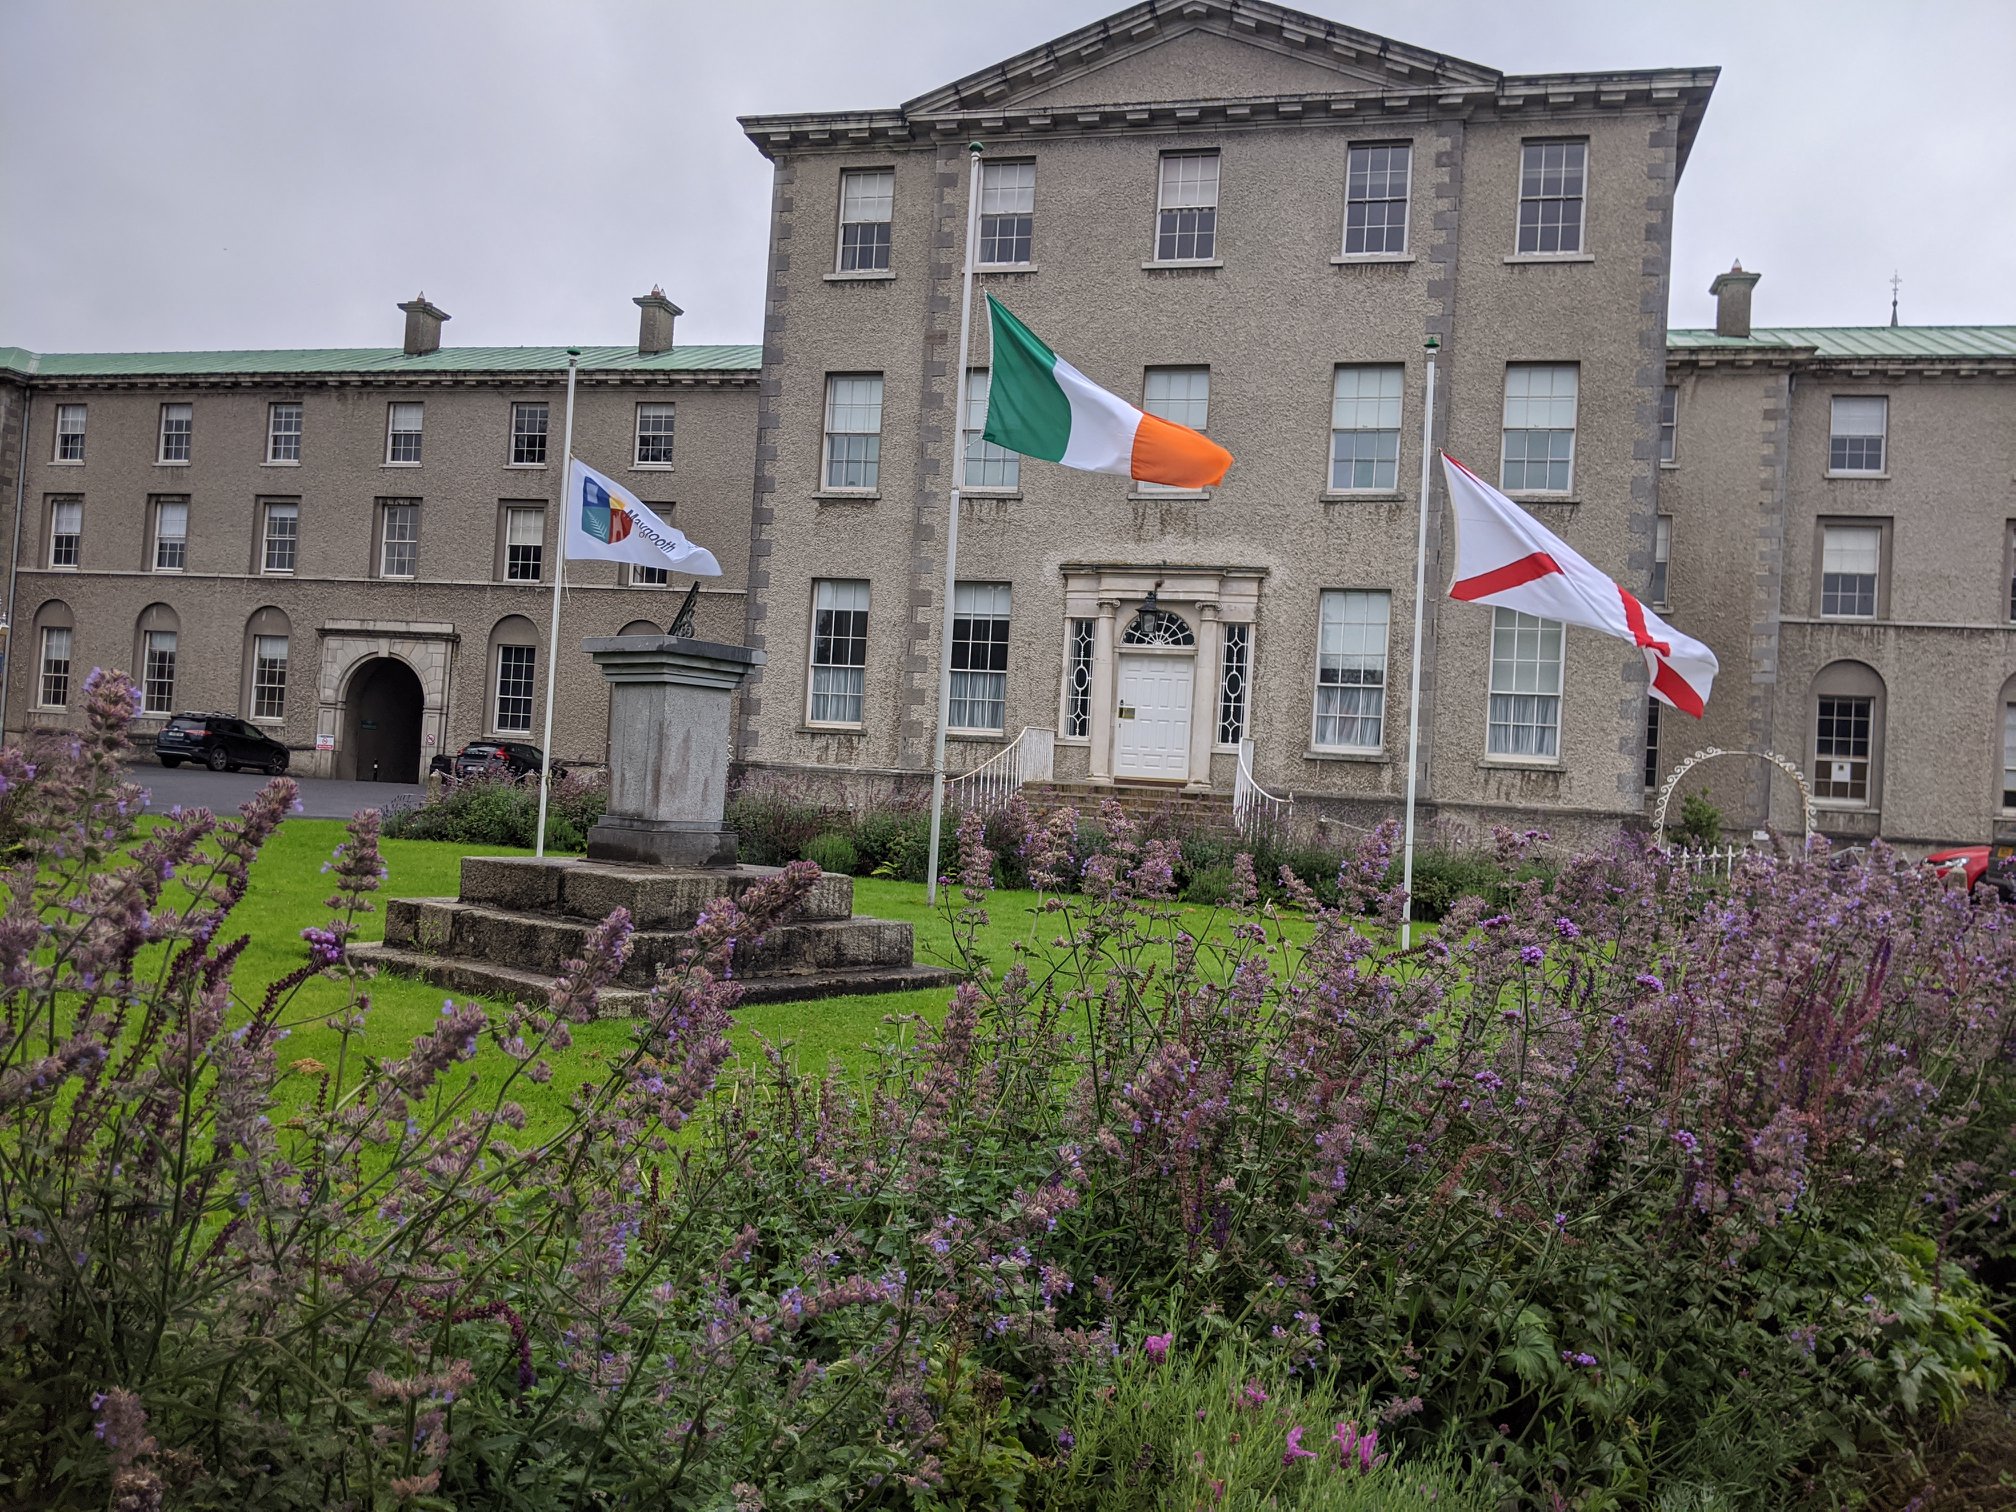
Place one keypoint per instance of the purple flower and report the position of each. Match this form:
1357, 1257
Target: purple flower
1578, 1359
1156, 1346
1295, 1451
1532, 955
1066, 1440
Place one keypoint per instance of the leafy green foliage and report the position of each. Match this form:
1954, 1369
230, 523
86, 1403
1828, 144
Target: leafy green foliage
1700, 825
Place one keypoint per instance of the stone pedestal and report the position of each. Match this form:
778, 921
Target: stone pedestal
669, 701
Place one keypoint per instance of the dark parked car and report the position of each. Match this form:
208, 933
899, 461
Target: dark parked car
502, 758
222, 742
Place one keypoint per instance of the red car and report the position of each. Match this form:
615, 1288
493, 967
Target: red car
1968, 866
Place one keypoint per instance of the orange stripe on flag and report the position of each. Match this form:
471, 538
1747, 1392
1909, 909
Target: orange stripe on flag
1511, 575
1165, 452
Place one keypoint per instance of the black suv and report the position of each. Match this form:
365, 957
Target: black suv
509, 759
222, 742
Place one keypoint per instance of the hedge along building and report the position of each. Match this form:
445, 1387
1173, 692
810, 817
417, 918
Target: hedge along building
353, 549
1250, 219
1839, 509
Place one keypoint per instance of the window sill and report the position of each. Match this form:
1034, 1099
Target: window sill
1669, 467
1366, 758
1519, 764
832, 729
984, 269
1361, 259
396, 466
863, 275
1846, 806
279, 464
1521, 258
1176, 495
525, 467
978, 737
1361, 496
63, 567
650, 467
1865, 477
66, 462
1156, 264
281, 572
989, 493
847, 496
1543, 498
158, 462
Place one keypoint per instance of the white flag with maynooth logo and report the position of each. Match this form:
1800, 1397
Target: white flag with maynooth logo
606, 522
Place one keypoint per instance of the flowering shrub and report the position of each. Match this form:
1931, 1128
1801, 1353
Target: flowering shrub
1611, 1189
485, 809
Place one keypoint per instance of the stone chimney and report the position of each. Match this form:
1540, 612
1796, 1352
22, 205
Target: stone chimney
654, 327
423, 327
1732, 300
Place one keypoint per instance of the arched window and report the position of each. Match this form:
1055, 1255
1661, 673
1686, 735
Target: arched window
1157, 627
640, 627
157, 644
55, 648
514, 669
267, 643
1847, 745
2007, 779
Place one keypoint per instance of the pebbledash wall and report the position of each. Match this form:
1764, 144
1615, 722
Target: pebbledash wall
1281, 98
350, 628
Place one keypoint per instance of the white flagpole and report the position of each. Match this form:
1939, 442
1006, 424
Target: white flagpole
952, 515
553, 625
1414, 657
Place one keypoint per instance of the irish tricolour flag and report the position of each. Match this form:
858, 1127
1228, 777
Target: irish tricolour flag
1041, 406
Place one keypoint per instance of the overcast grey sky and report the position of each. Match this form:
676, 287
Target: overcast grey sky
267, 173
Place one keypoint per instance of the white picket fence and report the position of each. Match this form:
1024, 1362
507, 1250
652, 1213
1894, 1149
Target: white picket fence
1029, 757
1252, 805
1714, 861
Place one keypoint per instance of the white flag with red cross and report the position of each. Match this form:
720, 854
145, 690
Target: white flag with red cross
1509, 560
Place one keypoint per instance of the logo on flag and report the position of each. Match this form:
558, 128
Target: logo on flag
604, 517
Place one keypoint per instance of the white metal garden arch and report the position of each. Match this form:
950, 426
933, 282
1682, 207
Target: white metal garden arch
1785, 765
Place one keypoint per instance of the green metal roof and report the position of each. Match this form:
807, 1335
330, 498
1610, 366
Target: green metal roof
389, 362
1848, 342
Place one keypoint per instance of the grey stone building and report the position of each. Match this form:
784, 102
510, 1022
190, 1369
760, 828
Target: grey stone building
1248, 219
354, 549
1839, 509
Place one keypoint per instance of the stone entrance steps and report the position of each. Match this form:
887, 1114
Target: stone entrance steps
1157, 808
519, 919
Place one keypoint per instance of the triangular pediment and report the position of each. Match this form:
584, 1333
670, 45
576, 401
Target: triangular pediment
1201, 50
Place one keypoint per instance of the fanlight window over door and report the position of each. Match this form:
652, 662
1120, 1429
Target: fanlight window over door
1157, 627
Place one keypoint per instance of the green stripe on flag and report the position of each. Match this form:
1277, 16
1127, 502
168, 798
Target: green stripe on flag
1026, 410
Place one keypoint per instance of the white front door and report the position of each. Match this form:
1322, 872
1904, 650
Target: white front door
1153, 717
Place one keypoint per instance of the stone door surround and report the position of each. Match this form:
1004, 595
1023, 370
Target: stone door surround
1111, 594
427, 646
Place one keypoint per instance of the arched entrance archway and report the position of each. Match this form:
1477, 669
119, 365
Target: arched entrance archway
381, 723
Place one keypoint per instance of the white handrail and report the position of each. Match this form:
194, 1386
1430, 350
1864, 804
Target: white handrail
1029, 757
1251, 803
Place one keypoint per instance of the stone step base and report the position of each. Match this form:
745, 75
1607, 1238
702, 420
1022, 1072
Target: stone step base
657, 898
1151, 805
543, 943
507, 984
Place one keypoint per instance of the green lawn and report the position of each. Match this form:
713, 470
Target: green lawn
289, 888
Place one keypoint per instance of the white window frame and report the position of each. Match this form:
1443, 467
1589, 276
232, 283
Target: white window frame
516, 518
162, 540
151, 648
183, 434
1521, 406
1836, 435
1081, 642
1650, 774
863, 203
1823, 786
57, 535
655, 410
273, 511
1512, 622
1657, 591
2008, 789
1669, 425
1007, 193
1333, 613
999, 468
1186, 194
530, 682
44, 661
1581, 198
276, 433
1235, 659
1837, 533
837, 596
395, 435
523, 410
408, 511
1358, 406
1405, 198
642, 576
265, 688
853, 409
982, 688
1185, 408
66, 431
